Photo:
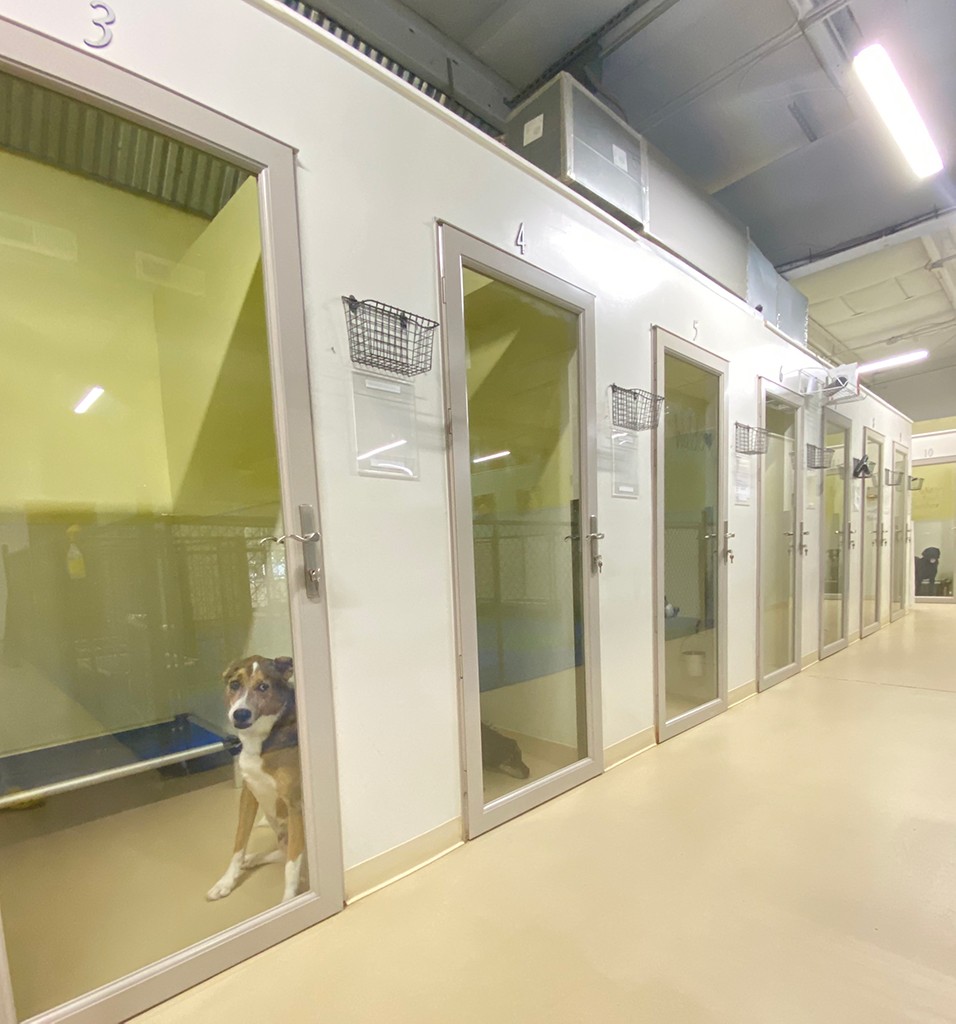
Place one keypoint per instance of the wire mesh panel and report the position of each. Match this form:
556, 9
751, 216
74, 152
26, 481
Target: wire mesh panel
893, 477
388, 338
634, 409
688, 428
819, 458
750, 440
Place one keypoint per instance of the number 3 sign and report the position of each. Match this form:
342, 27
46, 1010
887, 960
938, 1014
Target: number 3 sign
105, 18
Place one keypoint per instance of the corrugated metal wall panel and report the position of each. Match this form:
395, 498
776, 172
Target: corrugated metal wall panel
76, 137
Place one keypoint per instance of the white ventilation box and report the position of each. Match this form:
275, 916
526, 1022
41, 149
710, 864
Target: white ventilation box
575, 138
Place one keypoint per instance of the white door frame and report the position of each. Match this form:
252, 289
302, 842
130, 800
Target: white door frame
866, 630
458, 249
796, 401
900, 495
841, 423
30, 55
665, 341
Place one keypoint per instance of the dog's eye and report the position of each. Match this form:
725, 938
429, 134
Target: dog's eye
235, 685
262, 687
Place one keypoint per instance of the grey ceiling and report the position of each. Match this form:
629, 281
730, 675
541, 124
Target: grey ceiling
756, 102
752, 98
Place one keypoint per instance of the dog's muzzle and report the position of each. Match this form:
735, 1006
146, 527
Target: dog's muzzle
242, 718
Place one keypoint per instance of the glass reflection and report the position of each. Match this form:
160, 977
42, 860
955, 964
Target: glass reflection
778, 533
899, 577
522, 375
871, 537
834, 534
691, 534
133, 569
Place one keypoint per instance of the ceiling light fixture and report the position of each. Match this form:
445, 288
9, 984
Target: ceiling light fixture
87, 400
895, 105
494, 455
891, 361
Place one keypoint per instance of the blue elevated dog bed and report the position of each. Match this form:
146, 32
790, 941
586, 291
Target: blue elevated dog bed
179, 746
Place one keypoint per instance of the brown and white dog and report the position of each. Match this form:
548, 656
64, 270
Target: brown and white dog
261, 703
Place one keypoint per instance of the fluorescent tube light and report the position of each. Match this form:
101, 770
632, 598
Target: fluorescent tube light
895, 105
88, 399
488, 458
890, 361
384, 448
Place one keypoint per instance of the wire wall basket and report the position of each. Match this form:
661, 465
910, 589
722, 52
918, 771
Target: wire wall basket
634, 409
750, 440
916, 483
819, 458
893, 477
387, 338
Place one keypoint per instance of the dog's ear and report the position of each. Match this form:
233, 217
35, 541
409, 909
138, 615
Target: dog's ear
283, 666
230, 668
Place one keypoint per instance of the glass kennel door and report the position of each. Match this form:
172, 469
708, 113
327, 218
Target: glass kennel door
871, 537
520, 385
146, 474
780, 505
692, 536
900, 573
835, 535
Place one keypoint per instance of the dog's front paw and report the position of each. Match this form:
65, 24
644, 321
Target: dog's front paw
222, 888
293, 878
227, 883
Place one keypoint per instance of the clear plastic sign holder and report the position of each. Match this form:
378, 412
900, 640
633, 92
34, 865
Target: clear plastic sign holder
386, 435
625, 463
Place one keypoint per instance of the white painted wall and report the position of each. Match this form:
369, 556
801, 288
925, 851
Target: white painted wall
938, 445
377, 166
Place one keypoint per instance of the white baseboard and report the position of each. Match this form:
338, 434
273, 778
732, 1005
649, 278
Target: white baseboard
624, 750
809, 659
739, 693
401, 860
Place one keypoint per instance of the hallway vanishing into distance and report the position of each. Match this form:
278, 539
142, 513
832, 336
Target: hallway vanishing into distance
789, 861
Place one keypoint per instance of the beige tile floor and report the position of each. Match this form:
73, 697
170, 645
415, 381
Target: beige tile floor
793, 860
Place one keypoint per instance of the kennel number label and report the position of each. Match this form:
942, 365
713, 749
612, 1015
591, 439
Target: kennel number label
105, 17
520, 243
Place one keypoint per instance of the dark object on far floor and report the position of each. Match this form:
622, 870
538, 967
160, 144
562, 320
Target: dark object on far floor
926, 567
502, 753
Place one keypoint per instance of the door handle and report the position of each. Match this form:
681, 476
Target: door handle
728, 537
309, 539
597, 562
